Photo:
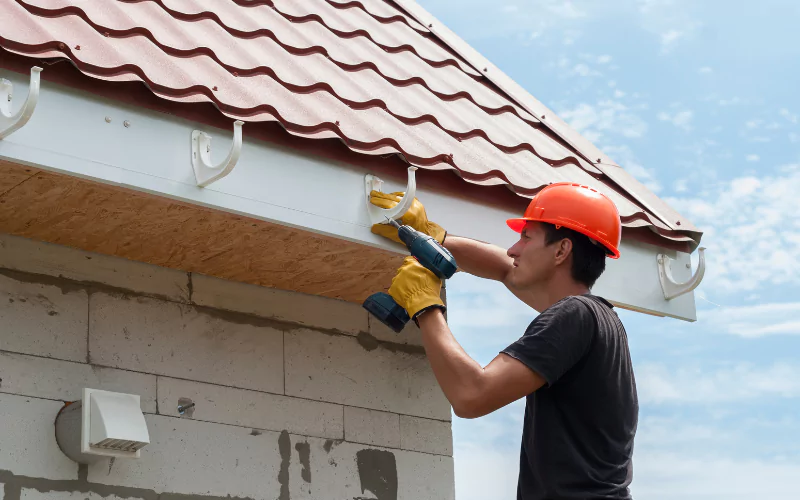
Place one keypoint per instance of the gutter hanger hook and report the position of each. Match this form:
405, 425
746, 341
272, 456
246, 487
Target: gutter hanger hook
11, 123
673, 289
204, 172
379, 215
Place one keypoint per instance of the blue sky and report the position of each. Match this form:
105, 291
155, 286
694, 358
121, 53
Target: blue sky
699, 100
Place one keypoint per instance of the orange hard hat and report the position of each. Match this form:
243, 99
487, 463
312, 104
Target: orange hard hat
577, 207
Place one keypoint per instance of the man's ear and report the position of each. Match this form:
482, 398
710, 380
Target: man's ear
563, 250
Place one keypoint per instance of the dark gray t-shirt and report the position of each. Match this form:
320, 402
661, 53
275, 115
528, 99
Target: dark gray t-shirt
577, 441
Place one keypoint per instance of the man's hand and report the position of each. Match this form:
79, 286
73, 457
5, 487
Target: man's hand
415, 217
415, 288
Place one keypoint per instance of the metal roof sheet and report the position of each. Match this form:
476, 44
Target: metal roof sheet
364, 71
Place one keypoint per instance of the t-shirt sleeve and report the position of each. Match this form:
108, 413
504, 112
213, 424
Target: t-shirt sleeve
556, 340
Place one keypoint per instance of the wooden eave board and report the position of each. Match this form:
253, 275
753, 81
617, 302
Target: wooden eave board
100, 218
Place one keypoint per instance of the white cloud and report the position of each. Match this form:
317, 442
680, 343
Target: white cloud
751, 230
482, 472
753, 124
476, 305
793, 137
486, 453
781, 318
478, 19
648, 6
668, 433
705, 70
565, 9
660, 384
671, 20
700, 476
681, 119
604, 59
625, 157
583, 70
731, 102
752, 158
619, 93
791, 117
570, 36
670, 37
607, 117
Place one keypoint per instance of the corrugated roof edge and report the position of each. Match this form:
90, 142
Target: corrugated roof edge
524, 99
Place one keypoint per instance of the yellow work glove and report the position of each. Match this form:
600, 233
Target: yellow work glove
415, 288
415, 217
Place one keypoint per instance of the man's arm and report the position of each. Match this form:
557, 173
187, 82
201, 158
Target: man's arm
473, 391
484, 260
478, 258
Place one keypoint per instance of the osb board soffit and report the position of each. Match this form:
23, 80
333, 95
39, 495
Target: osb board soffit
114, 221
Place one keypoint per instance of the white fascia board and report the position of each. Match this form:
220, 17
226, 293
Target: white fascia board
69, 134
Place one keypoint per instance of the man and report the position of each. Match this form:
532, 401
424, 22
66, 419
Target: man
572, 363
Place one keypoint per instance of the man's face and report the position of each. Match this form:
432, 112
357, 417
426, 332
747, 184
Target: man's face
534, 262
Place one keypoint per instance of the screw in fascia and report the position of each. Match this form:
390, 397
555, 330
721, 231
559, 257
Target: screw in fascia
182, 409
126, 123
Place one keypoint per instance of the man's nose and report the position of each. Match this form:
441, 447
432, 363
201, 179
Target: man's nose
512, 252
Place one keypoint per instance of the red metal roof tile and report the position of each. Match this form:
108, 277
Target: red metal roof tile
381, 11
362, 71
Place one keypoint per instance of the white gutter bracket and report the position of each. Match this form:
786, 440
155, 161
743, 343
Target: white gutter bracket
204, 172
673, 289
11, 123
379, 215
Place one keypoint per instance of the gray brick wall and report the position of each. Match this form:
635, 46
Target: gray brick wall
296, 396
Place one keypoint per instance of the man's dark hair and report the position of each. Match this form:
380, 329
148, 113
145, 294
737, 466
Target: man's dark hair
588, 259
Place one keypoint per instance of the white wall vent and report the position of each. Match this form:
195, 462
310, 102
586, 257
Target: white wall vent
102, 424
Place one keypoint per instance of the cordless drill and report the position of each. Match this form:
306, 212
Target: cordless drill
430, 254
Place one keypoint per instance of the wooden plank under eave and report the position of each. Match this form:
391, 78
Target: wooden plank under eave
124, 223
14, 175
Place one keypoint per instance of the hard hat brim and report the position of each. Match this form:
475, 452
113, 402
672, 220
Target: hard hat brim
517, 225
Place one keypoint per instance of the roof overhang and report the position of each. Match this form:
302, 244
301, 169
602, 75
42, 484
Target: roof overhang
75, 174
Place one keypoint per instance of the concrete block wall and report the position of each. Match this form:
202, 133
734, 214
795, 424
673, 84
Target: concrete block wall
296, 396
